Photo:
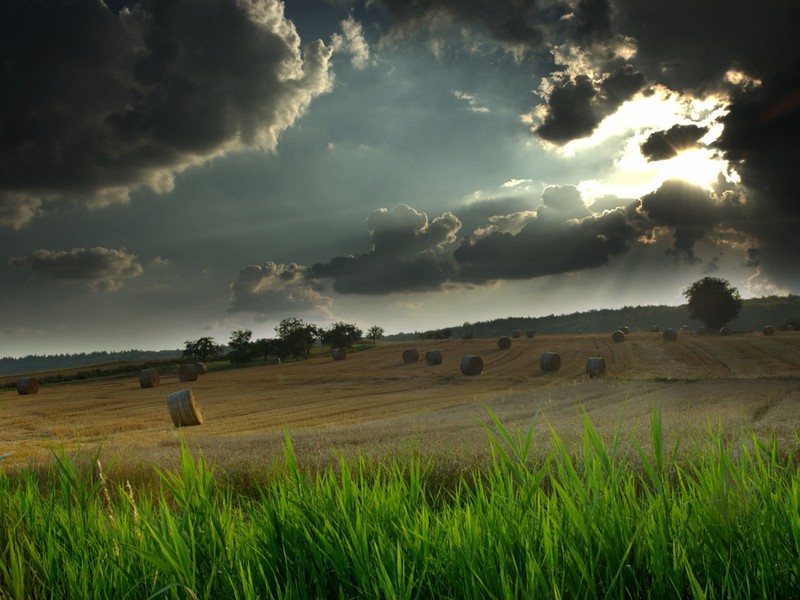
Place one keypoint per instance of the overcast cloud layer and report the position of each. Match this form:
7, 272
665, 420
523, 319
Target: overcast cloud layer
225, 164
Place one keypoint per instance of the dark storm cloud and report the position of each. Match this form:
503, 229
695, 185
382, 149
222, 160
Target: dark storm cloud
95, 103
272, 289
577, 105
663, 145
408, 255
100, 268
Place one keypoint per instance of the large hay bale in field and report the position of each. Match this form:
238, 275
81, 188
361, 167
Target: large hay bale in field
433, 357
202, 368
410, 355
504, 343
670, 335
550, 361
517, 333
529, 333
769, 330
618, 336
188, 373
184, 408
468, 336
625, 329
338, 354
596, 366
656, 329
149, 378
725, 331
27, 385
471, 365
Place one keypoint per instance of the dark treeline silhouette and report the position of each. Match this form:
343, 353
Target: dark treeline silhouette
51, 362
778, 311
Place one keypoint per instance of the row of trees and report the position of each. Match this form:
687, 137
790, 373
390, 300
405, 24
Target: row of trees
294, 338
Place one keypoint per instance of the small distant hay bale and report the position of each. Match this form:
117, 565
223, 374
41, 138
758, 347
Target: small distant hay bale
529, 333
471, 364
467, 336
596, 366
670, 335
618, 336
149, 378
504, 343
656, 329
184, 408
27, 385
725, 331
338, 354
433, 357
550, 361
188, 373
789, 328
625, 329
684, 328
202, 368
517, 333
410, 355
769, 330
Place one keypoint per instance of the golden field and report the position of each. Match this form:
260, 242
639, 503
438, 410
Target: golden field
375, 404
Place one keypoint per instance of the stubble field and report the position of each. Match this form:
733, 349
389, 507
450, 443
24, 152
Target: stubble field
374, 404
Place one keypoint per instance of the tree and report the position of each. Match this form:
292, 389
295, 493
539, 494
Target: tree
242, 348
341, 335
374, 333
713, 302
298, 336
201, 349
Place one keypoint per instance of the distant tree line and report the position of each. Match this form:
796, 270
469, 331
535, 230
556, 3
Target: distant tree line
53, 362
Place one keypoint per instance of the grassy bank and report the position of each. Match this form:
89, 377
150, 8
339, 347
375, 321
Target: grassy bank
724, 524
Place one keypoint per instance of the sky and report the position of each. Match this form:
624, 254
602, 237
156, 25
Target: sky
173, 169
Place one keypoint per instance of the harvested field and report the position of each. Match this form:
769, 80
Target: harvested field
375, 403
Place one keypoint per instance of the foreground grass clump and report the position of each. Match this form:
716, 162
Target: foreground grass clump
723, 525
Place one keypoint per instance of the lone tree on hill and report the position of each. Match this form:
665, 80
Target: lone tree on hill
201, 349
374, 333
713, 302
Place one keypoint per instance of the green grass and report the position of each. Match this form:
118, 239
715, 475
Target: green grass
724, 524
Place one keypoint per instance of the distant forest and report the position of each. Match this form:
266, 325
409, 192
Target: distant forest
52, 362
777, 311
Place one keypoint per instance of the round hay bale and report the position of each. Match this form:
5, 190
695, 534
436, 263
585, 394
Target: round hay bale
596, 366
433, 357
725, 331
789, 328
188, 373
769, 330
410, 355
625, 329
618, 336
670, 335
471, 365
184, 408
202, 369
517, 333
149, 378
550, 361
529, 333
27, 385
338, 354
504, 343
656, 329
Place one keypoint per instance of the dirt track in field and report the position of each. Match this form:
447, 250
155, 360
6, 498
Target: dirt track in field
374, 403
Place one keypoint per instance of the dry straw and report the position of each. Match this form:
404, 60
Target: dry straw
184, 408
188, 373
769, 330
149, 378
202, 369
471, 365
410, 355
517, 333
618, 336
27, 385
339, 354
504, 343
550, 361
596, 366
433, 357
530, 333
670, 335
